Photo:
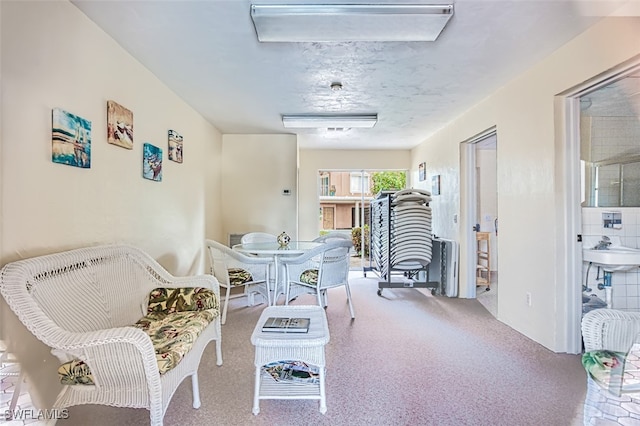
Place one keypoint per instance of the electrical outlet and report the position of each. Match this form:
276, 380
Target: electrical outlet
528, 299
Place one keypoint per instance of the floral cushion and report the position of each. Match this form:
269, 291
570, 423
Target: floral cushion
310, 276
75, 372
181, 299
176, 318
239, 276
173, 335
601, 364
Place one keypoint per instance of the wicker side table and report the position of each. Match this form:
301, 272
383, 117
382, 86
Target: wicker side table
307, 347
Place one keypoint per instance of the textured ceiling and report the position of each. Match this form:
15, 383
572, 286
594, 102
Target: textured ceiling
208, 53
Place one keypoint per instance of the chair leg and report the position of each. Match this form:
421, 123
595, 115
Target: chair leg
251, 300
196, 390
226, 304
353, 314
218, 351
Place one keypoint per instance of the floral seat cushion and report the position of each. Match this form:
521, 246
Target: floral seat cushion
239, 276
310, 276
172, 331
171, 300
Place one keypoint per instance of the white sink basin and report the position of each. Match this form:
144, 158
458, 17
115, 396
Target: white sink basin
615, 258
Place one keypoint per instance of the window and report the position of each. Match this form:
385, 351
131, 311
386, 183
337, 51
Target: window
324, 185
359, 183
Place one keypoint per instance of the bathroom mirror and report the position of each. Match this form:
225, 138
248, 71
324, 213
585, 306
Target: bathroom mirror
610, 144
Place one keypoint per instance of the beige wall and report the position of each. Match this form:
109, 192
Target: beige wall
529, 176
256, 169
54, 56
311, 161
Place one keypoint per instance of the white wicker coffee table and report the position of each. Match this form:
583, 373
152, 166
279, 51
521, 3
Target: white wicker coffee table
307, 347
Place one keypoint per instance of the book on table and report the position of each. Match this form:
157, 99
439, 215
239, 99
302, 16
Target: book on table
286, 325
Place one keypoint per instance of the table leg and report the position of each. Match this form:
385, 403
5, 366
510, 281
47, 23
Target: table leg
276, 281
323, 397
256, 392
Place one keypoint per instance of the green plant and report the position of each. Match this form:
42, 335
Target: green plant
388, 180
356, 238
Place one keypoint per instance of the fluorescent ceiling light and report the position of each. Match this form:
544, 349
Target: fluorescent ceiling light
349, 22
329, 121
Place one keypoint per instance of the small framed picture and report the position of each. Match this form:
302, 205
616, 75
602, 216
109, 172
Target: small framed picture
175, 146
119, 125
435, 185
70, 139
422, 171
152, 162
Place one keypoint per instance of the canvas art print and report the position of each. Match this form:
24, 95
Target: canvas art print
152, 162
119, 125
70, 139
435, 185
422, 171
175, 146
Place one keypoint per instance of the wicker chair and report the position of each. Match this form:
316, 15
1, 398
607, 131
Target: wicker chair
332, 236
82, 303
234, 269
616, 331
258, 237
318, 270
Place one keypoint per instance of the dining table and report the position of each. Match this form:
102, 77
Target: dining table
274, 250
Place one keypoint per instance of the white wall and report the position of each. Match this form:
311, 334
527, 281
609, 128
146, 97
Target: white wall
54, 56
256, 169
311, 161
528, 176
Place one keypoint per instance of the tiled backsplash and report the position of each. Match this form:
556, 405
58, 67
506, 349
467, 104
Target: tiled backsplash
625, 285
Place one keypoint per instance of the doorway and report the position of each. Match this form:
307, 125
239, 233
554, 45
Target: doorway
479, 160
328, 217
584, 185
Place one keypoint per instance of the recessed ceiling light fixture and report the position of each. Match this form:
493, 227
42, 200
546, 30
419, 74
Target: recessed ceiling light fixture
336, 86
329, 121
349, 22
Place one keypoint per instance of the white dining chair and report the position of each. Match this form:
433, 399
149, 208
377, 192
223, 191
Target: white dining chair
234, 269
332, 236
318, 270
258, 237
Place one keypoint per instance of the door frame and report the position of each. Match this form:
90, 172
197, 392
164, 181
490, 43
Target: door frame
468, 210
569, 212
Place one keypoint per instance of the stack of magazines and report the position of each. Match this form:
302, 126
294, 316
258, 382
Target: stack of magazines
293, 371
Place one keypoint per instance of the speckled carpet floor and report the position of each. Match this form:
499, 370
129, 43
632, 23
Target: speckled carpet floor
409, 358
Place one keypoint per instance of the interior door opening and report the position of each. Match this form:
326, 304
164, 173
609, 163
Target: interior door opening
480, 221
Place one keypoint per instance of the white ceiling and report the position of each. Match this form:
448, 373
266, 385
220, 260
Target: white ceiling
208, 53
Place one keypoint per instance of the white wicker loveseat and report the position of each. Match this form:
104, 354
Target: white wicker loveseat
613, 396
83, 304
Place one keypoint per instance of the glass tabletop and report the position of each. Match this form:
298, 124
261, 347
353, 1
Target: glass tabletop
273, 248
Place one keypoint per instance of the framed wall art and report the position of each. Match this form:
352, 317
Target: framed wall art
422, 171
175, 146
151, 162
435, 185
119, 125
70, 139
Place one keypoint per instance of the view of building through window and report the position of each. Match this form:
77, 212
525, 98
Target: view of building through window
344, 197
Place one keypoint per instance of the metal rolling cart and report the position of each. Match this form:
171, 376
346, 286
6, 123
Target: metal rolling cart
401, 241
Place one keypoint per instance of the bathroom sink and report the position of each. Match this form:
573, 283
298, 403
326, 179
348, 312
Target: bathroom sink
615, 258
